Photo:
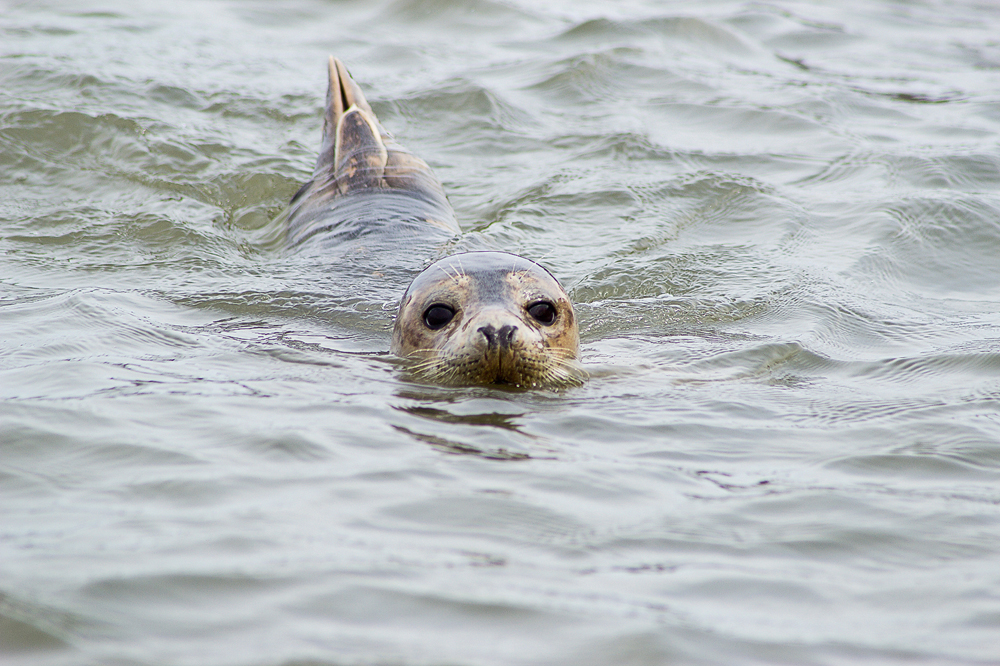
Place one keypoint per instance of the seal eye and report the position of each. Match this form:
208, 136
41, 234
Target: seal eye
437, 316
543, 312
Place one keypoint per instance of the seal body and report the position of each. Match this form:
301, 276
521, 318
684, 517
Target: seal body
470, 318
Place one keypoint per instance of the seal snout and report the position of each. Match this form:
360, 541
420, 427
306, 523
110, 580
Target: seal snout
502, 337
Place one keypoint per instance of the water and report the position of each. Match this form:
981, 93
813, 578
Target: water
780, 222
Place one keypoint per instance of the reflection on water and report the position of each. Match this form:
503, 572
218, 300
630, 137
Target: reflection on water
778, 222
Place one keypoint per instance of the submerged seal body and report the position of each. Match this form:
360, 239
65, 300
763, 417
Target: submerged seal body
469, 318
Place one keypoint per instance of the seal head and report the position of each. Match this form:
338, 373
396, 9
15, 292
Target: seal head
488, 318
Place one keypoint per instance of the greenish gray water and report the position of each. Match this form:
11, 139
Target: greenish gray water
780, 222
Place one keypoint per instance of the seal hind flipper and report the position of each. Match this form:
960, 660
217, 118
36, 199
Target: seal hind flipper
341, 95
358, 156
359, 151
353, 146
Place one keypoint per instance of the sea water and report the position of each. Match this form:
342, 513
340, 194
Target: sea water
780, 222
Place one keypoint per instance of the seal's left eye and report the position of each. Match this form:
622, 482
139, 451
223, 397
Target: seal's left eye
437, 316
543, 312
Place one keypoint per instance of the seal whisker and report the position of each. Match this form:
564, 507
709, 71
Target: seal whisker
456, 276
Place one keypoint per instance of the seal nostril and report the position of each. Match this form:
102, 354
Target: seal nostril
490, 334
505, 336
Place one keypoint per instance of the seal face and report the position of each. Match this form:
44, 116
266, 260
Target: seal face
488, 318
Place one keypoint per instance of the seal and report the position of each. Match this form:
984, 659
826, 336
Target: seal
470, 318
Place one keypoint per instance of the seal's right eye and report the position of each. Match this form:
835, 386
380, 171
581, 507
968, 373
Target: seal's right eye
437, 316
544, 313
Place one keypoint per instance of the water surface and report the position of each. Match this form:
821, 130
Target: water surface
780, 222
